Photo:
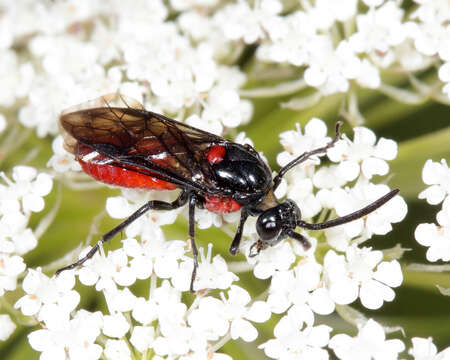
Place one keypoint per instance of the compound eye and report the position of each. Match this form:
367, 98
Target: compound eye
268, 225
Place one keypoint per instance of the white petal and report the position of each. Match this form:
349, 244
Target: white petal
316, 128
319, 336
33, 203
87, 276
372, 331
349, 170
344, 292
7, 327
373, 293
115, 325
43, 184
118, 207
373, 166
364, 135
314, 76
431, 172
434, 194
24, 173
243, 329
321, 302
142, 337
341, 345
259, 312
386, 149
389, 273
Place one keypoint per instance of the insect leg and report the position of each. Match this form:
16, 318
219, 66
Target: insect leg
300, 238
350, 217
305, 156
234, 247
154, 204
192, 202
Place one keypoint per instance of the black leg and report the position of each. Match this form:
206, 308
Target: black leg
350, 217
234, 247
300, 238
305, 156
154, 204
192, 201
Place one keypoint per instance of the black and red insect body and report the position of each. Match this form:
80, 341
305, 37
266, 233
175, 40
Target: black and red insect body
118, 142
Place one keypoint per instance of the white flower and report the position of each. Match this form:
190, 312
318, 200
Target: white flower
362, 194
155, 255
379, 30
206, 219
10, 268
370, 343
142, 337
148, 225
182, 5
209, 319
115, 325
209, 124
205, 354
120, 300
62, 160
292, 44
429, 34
117, 350
295, 143
63, 336
328, 177
145, 311
294, 340
362, 155
351, 276
224, 105
437, 175
106, 271
239, 21
7, 327
338, 237
326, 12
424, 349
237, 311
50, 94
299, 286
212, 273
15, 77
43, 292
176, 337
29, 187
436, 237
268, 261
331, 69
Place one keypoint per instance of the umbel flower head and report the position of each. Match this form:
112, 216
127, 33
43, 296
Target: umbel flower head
291, 68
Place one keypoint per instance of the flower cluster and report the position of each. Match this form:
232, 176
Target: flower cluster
20, 197
191, 59
436, 237
335, 45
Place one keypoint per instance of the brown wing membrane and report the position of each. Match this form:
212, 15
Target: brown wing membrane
119, 128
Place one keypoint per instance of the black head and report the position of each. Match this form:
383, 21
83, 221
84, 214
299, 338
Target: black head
276, 224
280, 220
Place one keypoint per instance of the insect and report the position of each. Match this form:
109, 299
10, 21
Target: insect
118, 142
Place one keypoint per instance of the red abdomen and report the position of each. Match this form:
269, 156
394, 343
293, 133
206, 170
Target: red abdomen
96, 165
221, 205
